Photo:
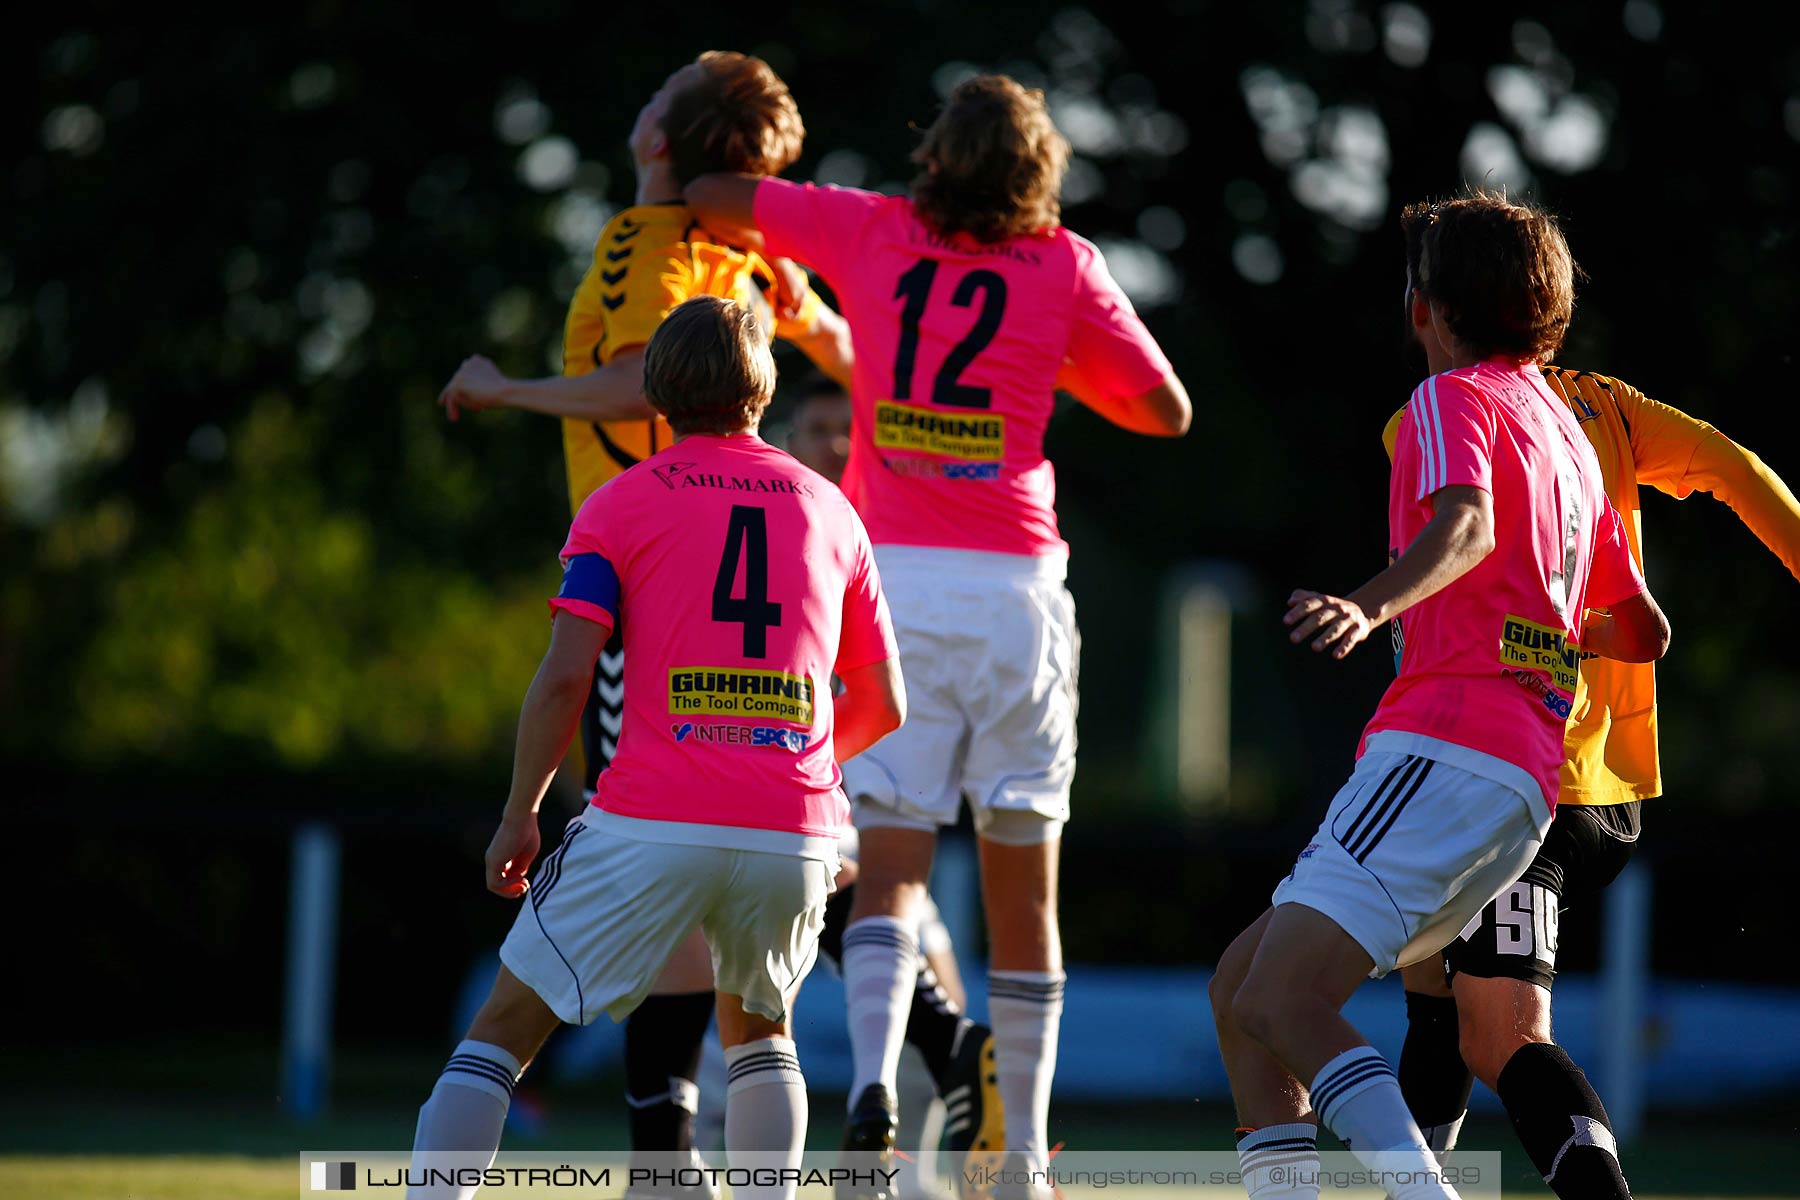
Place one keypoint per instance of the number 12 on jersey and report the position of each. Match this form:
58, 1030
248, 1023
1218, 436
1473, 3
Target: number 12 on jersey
747, 541
914, 287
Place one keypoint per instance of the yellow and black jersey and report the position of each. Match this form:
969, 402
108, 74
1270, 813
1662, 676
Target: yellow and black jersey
649, 259
1610, 749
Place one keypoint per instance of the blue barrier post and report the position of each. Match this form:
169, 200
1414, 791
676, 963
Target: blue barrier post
1624, 999
311, 969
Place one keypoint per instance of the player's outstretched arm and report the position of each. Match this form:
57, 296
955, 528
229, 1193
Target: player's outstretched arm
1163, 411
1459, 535
547, 723
1679, 454
726, 204
614, 392
873, 705
827, 345
1633, 630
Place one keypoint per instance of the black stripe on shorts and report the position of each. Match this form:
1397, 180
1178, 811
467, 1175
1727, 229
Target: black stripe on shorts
1373, 839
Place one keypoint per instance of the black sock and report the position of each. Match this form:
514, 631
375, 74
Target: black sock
1562, 1124
662, 1060
1433, 1077
934, 1021
837, 916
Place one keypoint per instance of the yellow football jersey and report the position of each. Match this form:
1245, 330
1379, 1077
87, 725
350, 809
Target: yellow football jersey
1610, 753
649, 259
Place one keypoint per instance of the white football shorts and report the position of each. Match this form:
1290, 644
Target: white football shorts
990, 651
1420, 839
610, 904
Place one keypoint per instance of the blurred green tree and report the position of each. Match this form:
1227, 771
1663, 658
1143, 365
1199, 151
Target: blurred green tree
240, 258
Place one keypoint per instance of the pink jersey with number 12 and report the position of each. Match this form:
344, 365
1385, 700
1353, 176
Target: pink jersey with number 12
1490, 662
958, 345
739, 581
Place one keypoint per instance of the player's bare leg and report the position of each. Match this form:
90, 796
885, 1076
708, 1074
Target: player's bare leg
1433, 1077
1503, 1017
460, 1124
1304, 968
1265, 1092
1505, 1025
881, 969
892, 870
1025, 979
513, 1018
1277, 1133
765, 1104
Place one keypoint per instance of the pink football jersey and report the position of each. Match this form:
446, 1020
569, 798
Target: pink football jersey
958, 344
739, 581
1491, 661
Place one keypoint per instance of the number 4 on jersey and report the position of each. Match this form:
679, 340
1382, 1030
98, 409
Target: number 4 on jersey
747, 540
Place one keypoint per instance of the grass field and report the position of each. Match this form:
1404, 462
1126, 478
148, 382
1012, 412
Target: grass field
182, 1177
185, 1151
228, 1177
159, 1125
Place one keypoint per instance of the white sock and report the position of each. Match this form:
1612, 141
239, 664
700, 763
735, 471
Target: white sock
765, 1111
881, 965
1281, 1162
1026, 1008
1442, 1138
460, 1123
921, 1127
1358, 1098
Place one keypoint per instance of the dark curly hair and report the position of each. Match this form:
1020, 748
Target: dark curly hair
993, 161
1499, 269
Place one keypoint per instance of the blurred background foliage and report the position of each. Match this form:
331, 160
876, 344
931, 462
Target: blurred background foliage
240, 256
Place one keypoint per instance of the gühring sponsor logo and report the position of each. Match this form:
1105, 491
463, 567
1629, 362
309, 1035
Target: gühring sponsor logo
333, 1176
740, 692
1543, 661
742, 735
976, 438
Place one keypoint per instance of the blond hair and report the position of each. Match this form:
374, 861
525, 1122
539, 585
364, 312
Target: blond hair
738, 116
708, 368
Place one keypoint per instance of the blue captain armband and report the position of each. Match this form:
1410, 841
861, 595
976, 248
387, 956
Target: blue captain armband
590, 579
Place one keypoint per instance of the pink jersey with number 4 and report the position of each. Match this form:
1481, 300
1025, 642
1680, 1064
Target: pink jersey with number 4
1490, 662
958, 345
739, 581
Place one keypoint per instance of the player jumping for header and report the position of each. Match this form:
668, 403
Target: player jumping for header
969, 304
1503, 539
742, 583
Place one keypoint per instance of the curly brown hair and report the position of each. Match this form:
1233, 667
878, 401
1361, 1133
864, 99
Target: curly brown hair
1499, 269
993, 161
708, 368
738, 116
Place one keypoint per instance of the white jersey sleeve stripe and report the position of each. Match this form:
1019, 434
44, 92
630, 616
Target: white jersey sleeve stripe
1437, 432
1418, 416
